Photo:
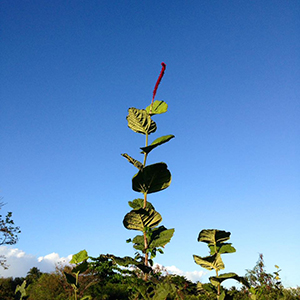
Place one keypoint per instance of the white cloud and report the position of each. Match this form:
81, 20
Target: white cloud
190, 275
20, 262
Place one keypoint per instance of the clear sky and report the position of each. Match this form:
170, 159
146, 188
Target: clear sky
71, 69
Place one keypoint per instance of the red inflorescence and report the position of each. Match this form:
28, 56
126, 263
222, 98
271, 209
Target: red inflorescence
159, 79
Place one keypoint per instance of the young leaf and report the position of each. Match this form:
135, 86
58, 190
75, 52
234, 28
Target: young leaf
152, 178
159, 107
157, 142
140, 121
133, 161
139, 203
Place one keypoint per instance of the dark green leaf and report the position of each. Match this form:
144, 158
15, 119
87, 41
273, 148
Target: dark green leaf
140, 121
218, 280
152, 178
81, 268
157, 142
70, 278
129, 261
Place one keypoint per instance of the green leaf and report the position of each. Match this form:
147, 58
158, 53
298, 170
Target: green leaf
218, 280
221, 248
141, 218
213, 236
206, 288
159, 107
157, 142
160, 237
139, 203
210, 262
79, 257
222, 296
70, 278
140, 121
86, 298
129, 261
21, 289
81, 268
133, 161
152, 178
139, 242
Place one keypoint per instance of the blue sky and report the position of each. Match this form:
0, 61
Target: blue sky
71, 69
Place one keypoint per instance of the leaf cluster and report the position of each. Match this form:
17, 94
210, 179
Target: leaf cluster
216, 241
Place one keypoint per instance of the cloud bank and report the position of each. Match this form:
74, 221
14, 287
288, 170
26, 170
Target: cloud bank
20, 263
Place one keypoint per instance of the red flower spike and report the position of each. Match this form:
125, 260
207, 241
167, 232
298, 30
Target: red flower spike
159, 80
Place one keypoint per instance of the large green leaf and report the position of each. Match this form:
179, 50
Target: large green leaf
152, 178
139, 203
218, 280
79, 257
213, 236
159, 107
140, 121
210, 262
141, 218
157, 142
221, 248
133, 161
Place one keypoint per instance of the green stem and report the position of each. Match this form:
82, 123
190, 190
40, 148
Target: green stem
145, 204
145, 155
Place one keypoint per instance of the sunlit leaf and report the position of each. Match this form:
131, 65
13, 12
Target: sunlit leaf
140, 121
159, 107
79, 257
141, 218
221, 248
210, 262
213, 236
157, 142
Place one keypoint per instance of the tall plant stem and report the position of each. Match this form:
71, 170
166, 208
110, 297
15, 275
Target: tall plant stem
145, 204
